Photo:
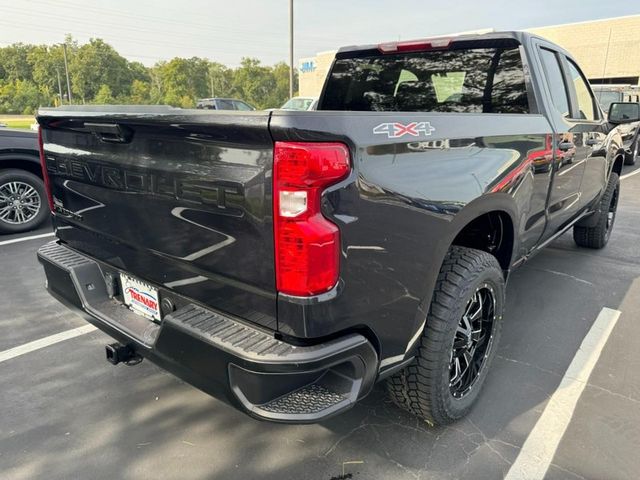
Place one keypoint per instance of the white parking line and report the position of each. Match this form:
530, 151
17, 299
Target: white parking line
630, 174
541, 444
24, 239
44, 342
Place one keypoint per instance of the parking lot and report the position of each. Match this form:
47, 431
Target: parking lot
67, 413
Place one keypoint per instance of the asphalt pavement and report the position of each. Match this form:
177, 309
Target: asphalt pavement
65, 413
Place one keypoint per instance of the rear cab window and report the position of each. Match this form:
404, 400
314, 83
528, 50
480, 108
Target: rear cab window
467, 77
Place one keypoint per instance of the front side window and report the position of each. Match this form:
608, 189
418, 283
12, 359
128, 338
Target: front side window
555, 81
463, 80
243, 106
225, 105
586, 109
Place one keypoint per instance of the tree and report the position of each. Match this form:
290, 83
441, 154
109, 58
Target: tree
95, 64
99, 74
104, 96
14, 64
21, 97
220, 78
183, 80
254, 83
47, 63
139, 72
280, 94
140, 92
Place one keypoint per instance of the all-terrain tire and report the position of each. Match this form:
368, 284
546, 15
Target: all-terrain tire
598, 235
423, 387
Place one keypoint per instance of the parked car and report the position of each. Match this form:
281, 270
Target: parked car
223, 104
300, 103
23, 204
607, 94
629, 131
287, 261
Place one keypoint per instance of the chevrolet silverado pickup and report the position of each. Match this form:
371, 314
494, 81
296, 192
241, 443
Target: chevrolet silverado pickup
287, 261
23, 204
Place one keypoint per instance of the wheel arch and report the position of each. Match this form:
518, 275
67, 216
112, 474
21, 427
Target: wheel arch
490, 224
21, 161
618, 161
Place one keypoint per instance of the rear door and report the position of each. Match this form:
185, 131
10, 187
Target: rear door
181, 200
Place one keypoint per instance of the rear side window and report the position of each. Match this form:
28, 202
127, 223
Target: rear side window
463, 80
555, 81
586, 109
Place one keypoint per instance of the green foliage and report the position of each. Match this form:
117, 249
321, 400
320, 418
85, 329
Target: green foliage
104, 96
14, 64
96, 64
140, 92
20, 96
99, 74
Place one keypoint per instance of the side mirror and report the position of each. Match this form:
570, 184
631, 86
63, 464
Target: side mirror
624, 112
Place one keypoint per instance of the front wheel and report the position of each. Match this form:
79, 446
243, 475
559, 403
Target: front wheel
459, 340
23, 204
597, 236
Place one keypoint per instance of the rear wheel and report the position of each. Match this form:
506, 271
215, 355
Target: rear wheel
459, 340
598, 235
22, 201
631, 158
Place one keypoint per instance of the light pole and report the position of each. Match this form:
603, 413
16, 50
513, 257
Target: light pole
290, 48
59, 85
66, 69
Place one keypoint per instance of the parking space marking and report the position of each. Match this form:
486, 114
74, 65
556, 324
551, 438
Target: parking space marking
24, 239
630, 174
44, 342
541, 444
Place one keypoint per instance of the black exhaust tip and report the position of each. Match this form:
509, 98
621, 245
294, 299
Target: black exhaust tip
117, 353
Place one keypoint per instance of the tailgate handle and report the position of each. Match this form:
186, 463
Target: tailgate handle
110, 132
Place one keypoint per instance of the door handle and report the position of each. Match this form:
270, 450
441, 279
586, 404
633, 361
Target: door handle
110, 132
564, 146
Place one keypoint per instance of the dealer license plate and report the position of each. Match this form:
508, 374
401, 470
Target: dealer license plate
140, 297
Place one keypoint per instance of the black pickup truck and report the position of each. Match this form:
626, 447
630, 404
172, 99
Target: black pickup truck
23, 204
286, 261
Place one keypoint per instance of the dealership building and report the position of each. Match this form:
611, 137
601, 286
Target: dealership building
608, 51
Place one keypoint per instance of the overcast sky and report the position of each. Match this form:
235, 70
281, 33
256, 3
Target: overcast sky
226, 31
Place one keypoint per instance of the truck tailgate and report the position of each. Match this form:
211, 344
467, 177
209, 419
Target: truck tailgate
178, 198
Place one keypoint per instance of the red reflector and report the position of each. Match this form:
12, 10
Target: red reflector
415, 45
45, 173
307, 245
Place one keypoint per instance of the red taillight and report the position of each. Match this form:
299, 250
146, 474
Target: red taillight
45, 173
307, 245
415, 45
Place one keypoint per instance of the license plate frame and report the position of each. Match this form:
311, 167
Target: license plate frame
140, 297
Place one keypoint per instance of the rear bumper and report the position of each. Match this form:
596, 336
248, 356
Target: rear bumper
223, 356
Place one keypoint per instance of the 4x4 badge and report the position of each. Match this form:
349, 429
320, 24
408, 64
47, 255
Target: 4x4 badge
397, 130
